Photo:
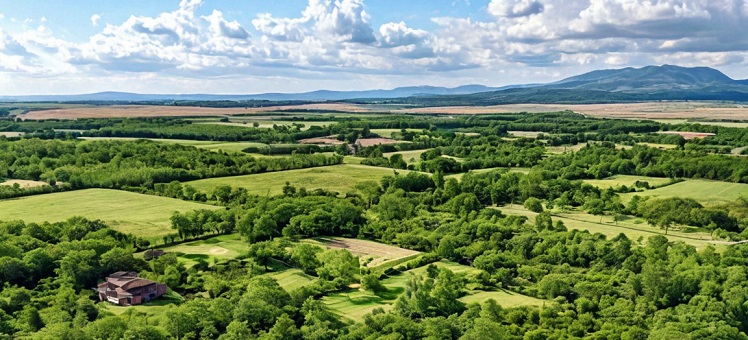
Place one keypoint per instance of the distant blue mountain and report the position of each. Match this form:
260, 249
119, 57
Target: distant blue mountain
666, 82
321, 95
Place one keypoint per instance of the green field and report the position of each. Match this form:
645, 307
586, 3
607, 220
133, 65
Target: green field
142, 215
387, 133
410, 157
480, 171
154, 309
627, 180
200, 144
217, 248
355, 304
341, 178
706, 192
633, 228
564, 148
291, 279
505, 298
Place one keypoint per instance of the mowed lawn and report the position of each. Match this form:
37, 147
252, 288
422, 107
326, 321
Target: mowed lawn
292, 279
142, 215
223, 247
620, 180
355, 304
706, 192
341, 178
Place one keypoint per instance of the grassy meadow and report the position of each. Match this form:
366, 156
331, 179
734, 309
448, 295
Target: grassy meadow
410, 156
200, 144
706, 192
142, 215
620, 180
633, 228
341, 178
223, 247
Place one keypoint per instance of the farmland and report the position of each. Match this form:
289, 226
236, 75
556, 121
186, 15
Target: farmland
633, 228
705, 192
620, 180
127, 212
378, 253
339, 178
410, 156
207, 145
24, 183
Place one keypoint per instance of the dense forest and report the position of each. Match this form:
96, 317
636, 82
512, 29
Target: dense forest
588, 285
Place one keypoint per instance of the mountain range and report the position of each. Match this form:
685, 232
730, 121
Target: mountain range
666, 82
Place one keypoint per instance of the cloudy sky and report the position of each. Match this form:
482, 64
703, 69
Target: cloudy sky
253, 46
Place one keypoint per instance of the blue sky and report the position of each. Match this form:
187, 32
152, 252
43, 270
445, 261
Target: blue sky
253, 46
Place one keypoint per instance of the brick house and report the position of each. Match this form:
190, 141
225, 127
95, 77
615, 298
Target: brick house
127, 289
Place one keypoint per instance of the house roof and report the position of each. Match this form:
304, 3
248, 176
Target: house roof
125, 281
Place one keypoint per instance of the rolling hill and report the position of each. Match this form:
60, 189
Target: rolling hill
650, 83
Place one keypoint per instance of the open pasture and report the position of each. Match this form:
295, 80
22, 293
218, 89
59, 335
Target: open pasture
646, 110
633, 228
24, 183
291, 279
379, 252
620, 180
706, 192
200, 144
218, 248
142, 111
141, 215
341, 178
564, 148
410, 156
480, 171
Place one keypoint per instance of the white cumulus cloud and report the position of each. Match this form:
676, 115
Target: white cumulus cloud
95, 19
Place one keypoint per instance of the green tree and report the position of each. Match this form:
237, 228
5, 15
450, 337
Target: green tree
533, 204
338, 266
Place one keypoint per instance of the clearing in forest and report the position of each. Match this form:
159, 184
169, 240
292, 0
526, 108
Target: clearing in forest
24, 183
379, 253
708, 193
340, 178
223, 247
355, 304
410, 156
634, 228
292, 278
200, 144
628, 180
138, 214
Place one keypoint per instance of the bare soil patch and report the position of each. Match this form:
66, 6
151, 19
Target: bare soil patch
11, 134
381, 252
321, 140
688, 135
364, 142
136, 111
